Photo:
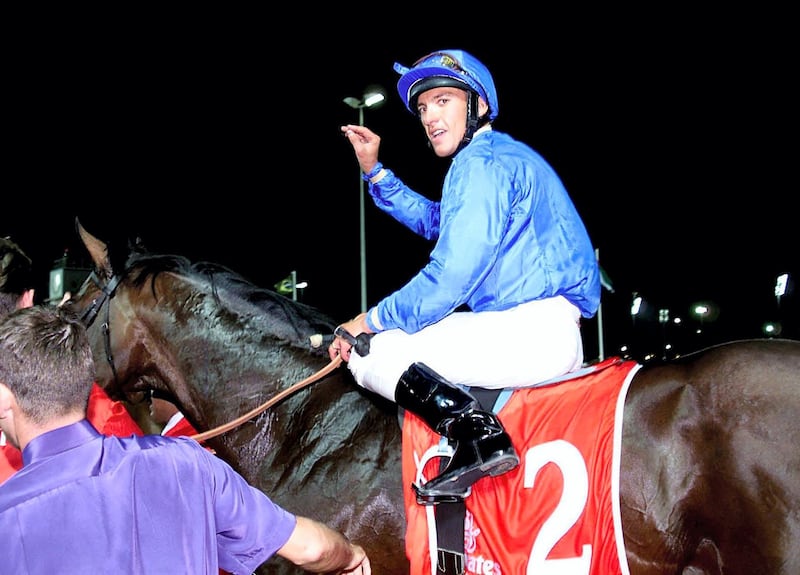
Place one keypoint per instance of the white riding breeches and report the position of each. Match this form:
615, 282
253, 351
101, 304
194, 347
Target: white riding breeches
517, 347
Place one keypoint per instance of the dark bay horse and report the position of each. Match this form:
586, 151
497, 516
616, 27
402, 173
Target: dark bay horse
222, 346
709, 476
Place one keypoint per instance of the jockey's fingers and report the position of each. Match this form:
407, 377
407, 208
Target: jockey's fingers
339, 348
344, 350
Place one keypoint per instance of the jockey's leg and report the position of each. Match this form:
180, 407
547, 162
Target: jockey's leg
482, 446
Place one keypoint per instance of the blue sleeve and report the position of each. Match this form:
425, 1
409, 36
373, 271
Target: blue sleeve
473, 219
413, 210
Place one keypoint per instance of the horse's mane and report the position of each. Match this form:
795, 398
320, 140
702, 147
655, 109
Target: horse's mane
304, 320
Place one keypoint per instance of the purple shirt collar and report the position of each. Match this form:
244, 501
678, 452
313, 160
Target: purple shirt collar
59, 440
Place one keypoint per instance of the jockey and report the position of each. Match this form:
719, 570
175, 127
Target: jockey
510, 276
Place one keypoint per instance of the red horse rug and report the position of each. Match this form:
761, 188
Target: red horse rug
558, 511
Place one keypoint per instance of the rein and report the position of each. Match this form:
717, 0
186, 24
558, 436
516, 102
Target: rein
108, 290
220, 429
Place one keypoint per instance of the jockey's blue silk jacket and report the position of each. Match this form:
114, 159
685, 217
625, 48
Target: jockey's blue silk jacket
506, 233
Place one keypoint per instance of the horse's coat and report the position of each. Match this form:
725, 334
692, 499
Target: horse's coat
709, 462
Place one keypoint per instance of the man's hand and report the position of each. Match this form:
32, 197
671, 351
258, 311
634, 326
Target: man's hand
365, 144
359, 333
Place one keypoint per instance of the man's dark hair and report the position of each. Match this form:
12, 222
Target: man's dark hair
46, 361
16, 275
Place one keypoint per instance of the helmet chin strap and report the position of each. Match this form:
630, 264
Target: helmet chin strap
473, 121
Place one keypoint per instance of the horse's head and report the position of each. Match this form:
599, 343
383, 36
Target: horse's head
191, 330
92, 303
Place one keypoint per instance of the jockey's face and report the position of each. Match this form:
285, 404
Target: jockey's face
443, 113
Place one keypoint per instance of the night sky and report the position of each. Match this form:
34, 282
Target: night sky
676, 141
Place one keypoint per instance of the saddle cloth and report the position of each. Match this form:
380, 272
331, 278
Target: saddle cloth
558, 512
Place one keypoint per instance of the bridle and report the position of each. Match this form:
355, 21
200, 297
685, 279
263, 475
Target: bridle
90, 314
108, 290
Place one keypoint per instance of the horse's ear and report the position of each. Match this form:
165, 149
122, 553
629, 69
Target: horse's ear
97, 249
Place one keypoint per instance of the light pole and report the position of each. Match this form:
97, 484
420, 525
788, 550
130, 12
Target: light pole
373, 96
663, 318
701, 310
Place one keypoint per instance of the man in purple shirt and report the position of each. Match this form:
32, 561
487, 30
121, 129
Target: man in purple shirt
87, 503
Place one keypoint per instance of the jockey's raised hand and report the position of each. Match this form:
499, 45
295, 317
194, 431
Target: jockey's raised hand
366, 144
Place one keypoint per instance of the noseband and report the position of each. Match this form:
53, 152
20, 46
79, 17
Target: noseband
88, 316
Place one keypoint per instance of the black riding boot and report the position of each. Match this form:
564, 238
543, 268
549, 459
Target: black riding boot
482, 446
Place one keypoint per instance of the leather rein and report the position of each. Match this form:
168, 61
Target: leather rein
316, 376
108, 290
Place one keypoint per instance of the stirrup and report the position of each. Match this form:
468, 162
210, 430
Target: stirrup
436, 497
497, 465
